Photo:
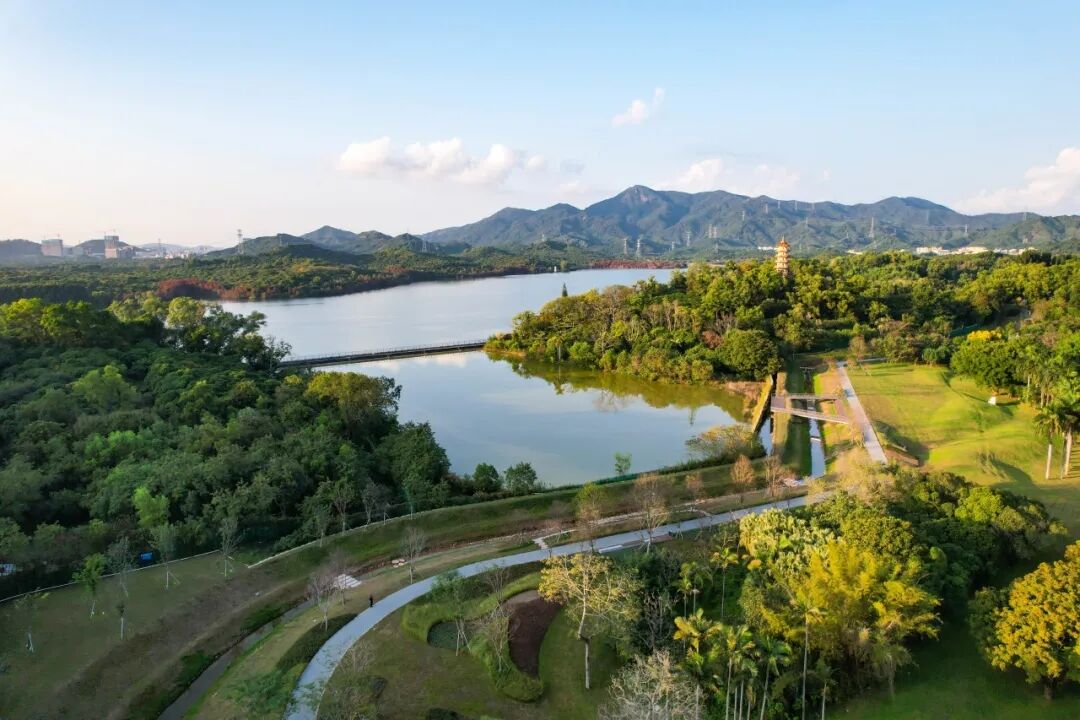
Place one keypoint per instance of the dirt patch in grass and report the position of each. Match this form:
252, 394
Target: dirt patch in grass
530, 617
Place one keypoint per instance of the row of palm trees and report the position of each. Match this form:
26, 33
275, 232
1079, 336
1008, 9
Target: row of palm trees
734, 662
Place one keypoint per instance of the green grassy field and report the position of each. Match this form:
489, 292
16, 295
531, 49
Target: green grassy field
81, 666
952, 681
946, 422
421, 677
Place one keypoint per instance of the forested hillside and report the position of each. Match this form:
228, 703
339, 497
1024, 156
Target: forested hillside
737, 319
704, 224
180, 402
276, 270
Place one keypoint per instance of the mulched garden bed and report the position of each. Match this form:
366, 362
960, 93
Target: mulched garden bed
530, 617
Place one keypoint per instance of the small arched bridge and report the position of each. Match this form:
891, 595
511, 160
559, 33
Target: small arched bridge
783, 404
385, 354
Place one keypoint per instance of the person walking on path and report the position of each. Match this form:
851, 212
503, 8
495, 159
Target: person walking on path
371, 601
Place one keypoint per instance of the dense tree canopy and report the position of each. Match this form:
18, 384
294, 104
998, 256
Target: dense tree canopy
733, 320
160, 420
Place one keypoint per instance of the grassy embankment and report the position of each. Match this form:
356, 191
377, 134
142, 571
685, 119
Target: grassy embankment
947, 424
82, 667
264, 657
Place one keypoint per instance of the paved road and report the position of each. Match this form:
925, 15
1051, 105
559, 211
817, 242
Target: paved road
324, 663
870, 440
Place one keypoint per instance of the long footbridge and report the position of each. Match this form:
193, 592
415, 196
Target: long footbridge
384, 354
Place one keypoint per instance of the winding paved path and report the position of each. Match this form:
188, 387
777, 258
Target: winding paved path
328, 657
870, 439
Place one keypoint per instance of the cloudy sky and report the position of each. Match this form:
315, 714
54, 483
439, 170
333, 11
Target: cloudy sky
187, 121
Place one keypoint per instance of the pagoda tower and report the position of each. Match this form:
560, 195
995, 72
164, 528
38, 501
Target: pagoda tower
782, 258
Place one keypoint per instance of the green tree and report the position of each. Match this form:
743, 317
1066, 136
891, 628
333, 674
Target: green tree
622, 463
1033, 625
521, 479
90, 575
486, 478
105, 389
602, 597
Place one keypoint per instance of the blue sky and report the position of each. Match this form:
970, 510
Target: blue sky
186, 121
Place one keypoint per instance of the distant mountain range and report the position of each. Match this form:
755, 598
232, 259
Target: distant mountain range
680, 225
695, 223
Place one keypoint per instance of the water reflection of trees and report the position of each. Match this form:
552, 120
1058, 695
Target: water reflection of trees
617, 392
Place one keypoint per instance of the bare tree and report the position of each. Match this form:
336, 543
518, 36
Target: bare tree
322, 584
656, 625
589, 510
26, 608
774, 475
493, 629
695, 487
230, 539
163, 538
119, 560
413, 543
495, 579
652, 688
342, 494
373, 498
651, 497
743, 476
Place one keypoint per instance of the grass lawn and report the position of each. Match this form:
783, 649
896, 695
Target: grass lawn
67, 639
420, 677
81, 668
217, 702
953, 681
946, 422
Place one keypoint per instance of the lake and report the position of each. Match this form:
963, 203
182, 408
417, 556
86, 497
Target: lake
567, 422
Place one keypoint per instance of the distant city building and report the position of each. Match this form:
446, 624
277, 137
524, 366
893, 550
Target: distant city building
52, 247
968, 250
114, 250
782, 257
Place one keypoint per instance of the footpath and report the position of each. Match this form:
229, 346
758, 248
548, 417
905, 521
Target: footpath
870, 439
326, 660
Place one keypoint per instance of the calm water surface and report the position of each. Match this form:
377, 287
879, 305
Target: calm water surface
424, 313
568, 423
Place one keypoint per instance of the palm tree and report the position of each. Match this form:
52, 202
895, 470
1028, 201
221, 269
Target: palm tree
824, 673
738, 644
774, 654
724, 558
1049, 420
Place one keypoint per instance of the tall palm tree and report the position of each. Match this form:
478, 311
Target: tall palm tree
774, 654
738, 644
1049, 420
724, 558
824, 673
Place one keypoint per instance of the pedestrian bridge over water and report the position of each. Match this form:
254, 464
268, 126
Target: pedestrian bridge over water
385, 354
783, 404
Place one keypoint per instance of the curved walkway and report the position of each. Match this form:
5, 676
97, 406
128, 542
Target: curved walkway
328, 657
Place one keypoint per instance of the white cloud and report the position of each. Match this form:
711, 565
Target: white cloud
715, 174
437, 160
639, 110
571, 167
492, 170
367, 158
1053, 188
537, 163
